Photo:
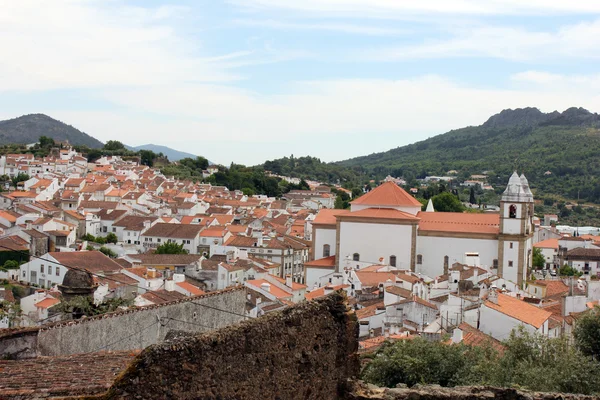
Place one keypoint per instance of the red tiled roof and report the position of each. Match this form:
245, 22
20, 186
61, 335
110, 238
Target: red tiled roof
320, 292
459, 222
274, 290
327, 216
327, 262
47, 302
387, 194
520, 310
194, 290
547, 244
474, 337
65, 376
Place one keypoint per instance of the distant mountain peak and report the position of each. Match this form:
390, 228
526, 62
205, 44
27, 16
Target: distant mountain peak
532, 116
28, 129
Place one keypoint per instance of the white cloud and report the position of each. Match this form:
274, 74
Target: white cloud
331, 119
329, 26
580, 40
400, 8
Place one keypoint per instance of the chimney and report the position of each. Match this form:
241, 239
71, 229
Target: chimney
493, 295
178, 278
327, 290
259, 240
266, 287
288, 280
169, 285
476, 275
151, 272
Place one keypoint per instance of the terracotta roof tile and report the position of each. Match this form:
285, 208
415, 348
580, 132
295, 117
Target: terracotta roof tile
387, 194
520, 310
459, 222
547, 244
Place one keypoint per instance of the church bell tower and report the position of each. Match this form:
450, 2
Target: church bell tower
515, 244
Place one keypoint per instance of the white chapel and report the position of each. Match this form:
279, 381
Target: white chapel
387, 226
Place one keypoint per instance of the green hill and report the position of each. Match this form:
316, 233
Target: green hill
565, 144
28, 129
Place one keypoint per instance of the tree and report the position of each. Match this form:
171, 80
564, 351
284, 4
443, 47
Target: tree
46, 142
111, 238
21, 177
114, 145
586, 333
566, 270
147, 157
339, 203
108, 252
447, 202
11, 264
472, 198
538, 258
170, 248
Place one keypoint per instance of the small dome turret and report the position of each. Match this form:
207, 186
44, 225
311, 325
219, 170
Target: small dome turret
517, 190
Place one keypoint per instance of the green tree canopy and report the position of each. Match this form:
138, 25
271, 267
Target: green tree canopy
447, 202
114, 145
171, 248
21, 177
111, 238
538, 258
587, 333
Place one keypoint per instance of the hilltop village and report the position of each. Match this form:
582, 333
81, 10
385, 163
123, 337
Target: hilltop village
80, 240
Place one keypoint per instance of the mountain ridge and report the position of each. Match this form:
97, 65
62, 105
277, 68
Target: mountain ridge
170, 153
27, 129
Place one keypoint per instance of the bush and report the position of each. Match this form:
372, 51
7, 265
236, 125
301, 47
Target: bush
11, 264
108, 252
100, 240
170, 248
533, 362
111, 238
89, 238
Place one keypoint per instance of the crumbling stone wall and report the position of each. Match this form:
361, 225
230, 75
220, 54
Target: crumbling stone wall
307, 351
128, 330
362, 391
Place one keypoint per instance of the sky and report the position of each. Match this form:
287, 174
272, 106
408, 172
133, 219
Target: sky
246, 81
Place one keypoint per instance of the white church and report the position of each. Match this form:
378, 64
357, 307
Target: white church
387, 226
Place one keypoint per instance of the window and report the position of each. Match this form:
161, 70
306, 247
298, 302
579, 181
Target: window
326, 250
393, 261
114, 229
57, 271
510, 263
49, 269
187, 241
512, 211
446, 262
356, 257
158, 240
419, 259
495, 263
128, 233
104, 229
42, 268
511, 245
23, 273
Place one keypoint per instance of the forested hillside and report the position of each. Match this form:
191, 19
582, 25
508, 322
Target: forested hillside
557, 151
28, 129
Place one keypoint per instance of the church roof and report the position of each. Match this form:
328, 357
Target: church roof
327, 216
459, 222
387, 194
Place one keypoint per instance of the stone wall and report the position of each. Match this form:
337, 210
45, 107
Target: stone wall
362, 391
128, 330
307, 351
